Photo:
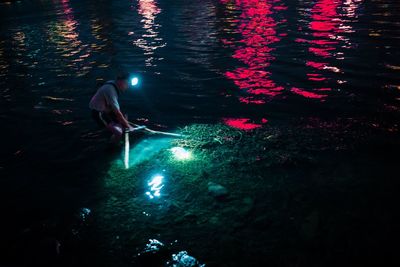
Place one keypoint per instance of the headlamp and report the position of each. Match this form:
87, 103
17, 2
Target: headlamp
134, 81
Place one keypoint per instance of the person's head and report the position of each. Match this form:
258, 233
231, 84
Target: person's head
123, 81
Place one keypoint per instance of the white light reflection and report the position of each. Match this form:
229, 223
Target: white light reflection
156, 184
180, 153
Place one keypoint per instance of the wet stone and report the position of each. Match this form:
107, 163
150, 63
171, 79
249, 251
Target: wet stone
154, 253
81, 222
182, 259
217, 190
246, 206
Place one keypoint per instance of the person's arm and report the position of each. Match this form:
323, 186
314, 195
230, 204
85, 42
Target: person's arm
121, 119
112, 101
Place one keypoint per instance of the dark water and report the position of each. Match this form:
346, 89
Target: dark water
249, 64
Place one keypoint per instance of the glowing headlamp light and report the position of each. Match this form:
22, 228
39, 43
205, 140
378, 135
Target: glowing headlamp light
134, 81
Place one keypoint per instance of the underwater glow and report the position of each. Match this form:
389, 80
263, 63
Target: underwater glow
156, 184
180, 153
148, 148
134, 81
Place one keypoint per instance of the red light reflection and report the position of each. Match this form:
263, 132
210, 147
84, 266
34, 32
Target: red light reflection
306, 93
258, 31
242, 123
325, 26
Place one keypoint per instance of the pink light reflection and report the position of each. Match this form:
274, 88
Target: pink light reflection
325, 27
242, 123
69, 23
258, 30
148, 9
149, 41
249, 100
307, 94
316, 65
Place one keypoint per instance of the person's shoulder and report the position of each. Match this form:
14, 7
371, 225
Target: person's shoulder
107, 86
110, 89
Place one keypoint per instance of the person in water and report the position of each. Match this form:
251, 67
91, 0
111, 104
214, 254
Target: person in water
105, 107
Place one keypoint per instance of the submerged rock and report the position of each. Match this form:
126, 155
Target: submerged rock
217, 190
154, 253
153, 246
182, 259
81, 222
246, 206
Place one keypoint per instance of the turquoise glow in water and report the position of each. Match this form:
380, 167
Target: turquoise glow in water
147, 148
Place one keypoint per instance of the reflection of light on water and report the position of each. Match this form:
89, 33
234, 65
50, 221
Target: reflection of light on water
68, 28
3, 63
243, 123
64, 34
180, 153
150, 40
350, 7
307, 94
21, 47
258, 29
156, 184
19, 39
100, 34
329, 31
325, 27
325, 31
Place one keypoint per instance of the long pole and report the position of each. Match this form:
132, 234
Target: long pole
157, 132
126, 152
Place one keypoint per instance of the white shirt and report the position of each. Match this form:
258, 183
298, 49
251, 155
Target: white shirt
105, 99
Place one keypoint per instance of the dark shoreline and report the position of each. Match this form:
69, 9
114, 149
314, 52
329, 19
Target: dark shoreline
320, 193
